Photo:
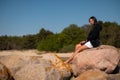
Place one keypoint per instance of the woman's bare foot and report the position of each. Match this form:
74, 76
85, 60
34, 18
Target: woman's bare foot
66, 62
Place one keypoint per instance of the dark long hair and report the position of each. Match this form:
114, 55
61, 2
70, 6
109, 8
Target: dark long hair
94, 18
95, 22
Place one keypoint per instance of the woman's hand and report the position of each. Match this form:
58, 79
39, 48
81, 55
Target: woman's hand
82, 42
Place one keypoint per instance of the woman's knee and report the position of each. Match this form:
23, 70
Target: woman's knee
78, 45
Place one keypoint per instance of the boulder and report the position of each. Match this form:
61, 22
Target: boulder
35, 67
92, 75
38, 70
95, 74
104, 58
63, 68
114, 76
5, 73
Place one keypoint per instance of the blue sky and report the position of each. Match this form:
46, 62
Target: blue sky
22, 17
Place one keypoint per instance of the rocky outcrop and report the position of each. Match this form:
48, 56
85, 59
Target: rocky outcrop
91, 63
92, 75
113, 76
63, 68
35, 67
104, 58
96, 74
38, 70
5, 73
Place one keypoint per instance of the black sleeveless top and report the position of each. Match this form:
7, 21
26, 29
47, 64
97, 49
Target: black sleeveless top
94, 35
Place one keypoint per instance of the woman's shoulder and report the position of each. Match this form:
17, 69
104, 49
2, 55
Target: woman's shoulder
98, 26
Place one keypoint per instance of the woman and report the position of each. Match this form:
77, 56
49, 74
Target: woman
93, 39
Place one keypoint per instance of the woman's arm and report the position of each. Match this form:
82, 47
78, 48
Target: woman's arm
94, 34
83, 42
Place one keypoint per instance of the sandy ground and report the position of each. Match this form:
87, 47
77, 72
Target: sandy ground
29, 53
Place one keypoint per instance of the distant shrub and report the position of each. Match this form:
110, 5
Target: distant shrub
68, 48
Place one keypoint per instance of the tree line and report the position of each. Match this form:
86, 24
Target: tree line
64, 41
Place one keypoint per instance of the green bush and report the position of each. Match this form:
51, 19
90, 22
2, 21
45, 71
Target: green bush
51, 43
68, 48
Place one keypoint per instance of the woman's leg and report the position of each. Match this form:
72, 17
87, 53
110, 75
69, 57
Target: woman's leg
78, 49
77, 46
83, 47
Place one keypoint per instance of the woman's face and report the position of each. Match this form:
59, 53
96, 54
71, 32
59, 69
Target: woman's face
91, 21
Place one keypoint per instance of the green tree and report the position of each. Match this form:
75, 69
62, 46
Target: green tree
29, 42
110, 33
4, 42
63, 41
43, 34
74, 33
51, 43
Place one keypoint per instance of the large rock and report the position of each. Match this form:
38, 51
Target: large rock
113, 77
92, 75
97, 75
64, 69
5, 73
35, 67
38, 70
104, 58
